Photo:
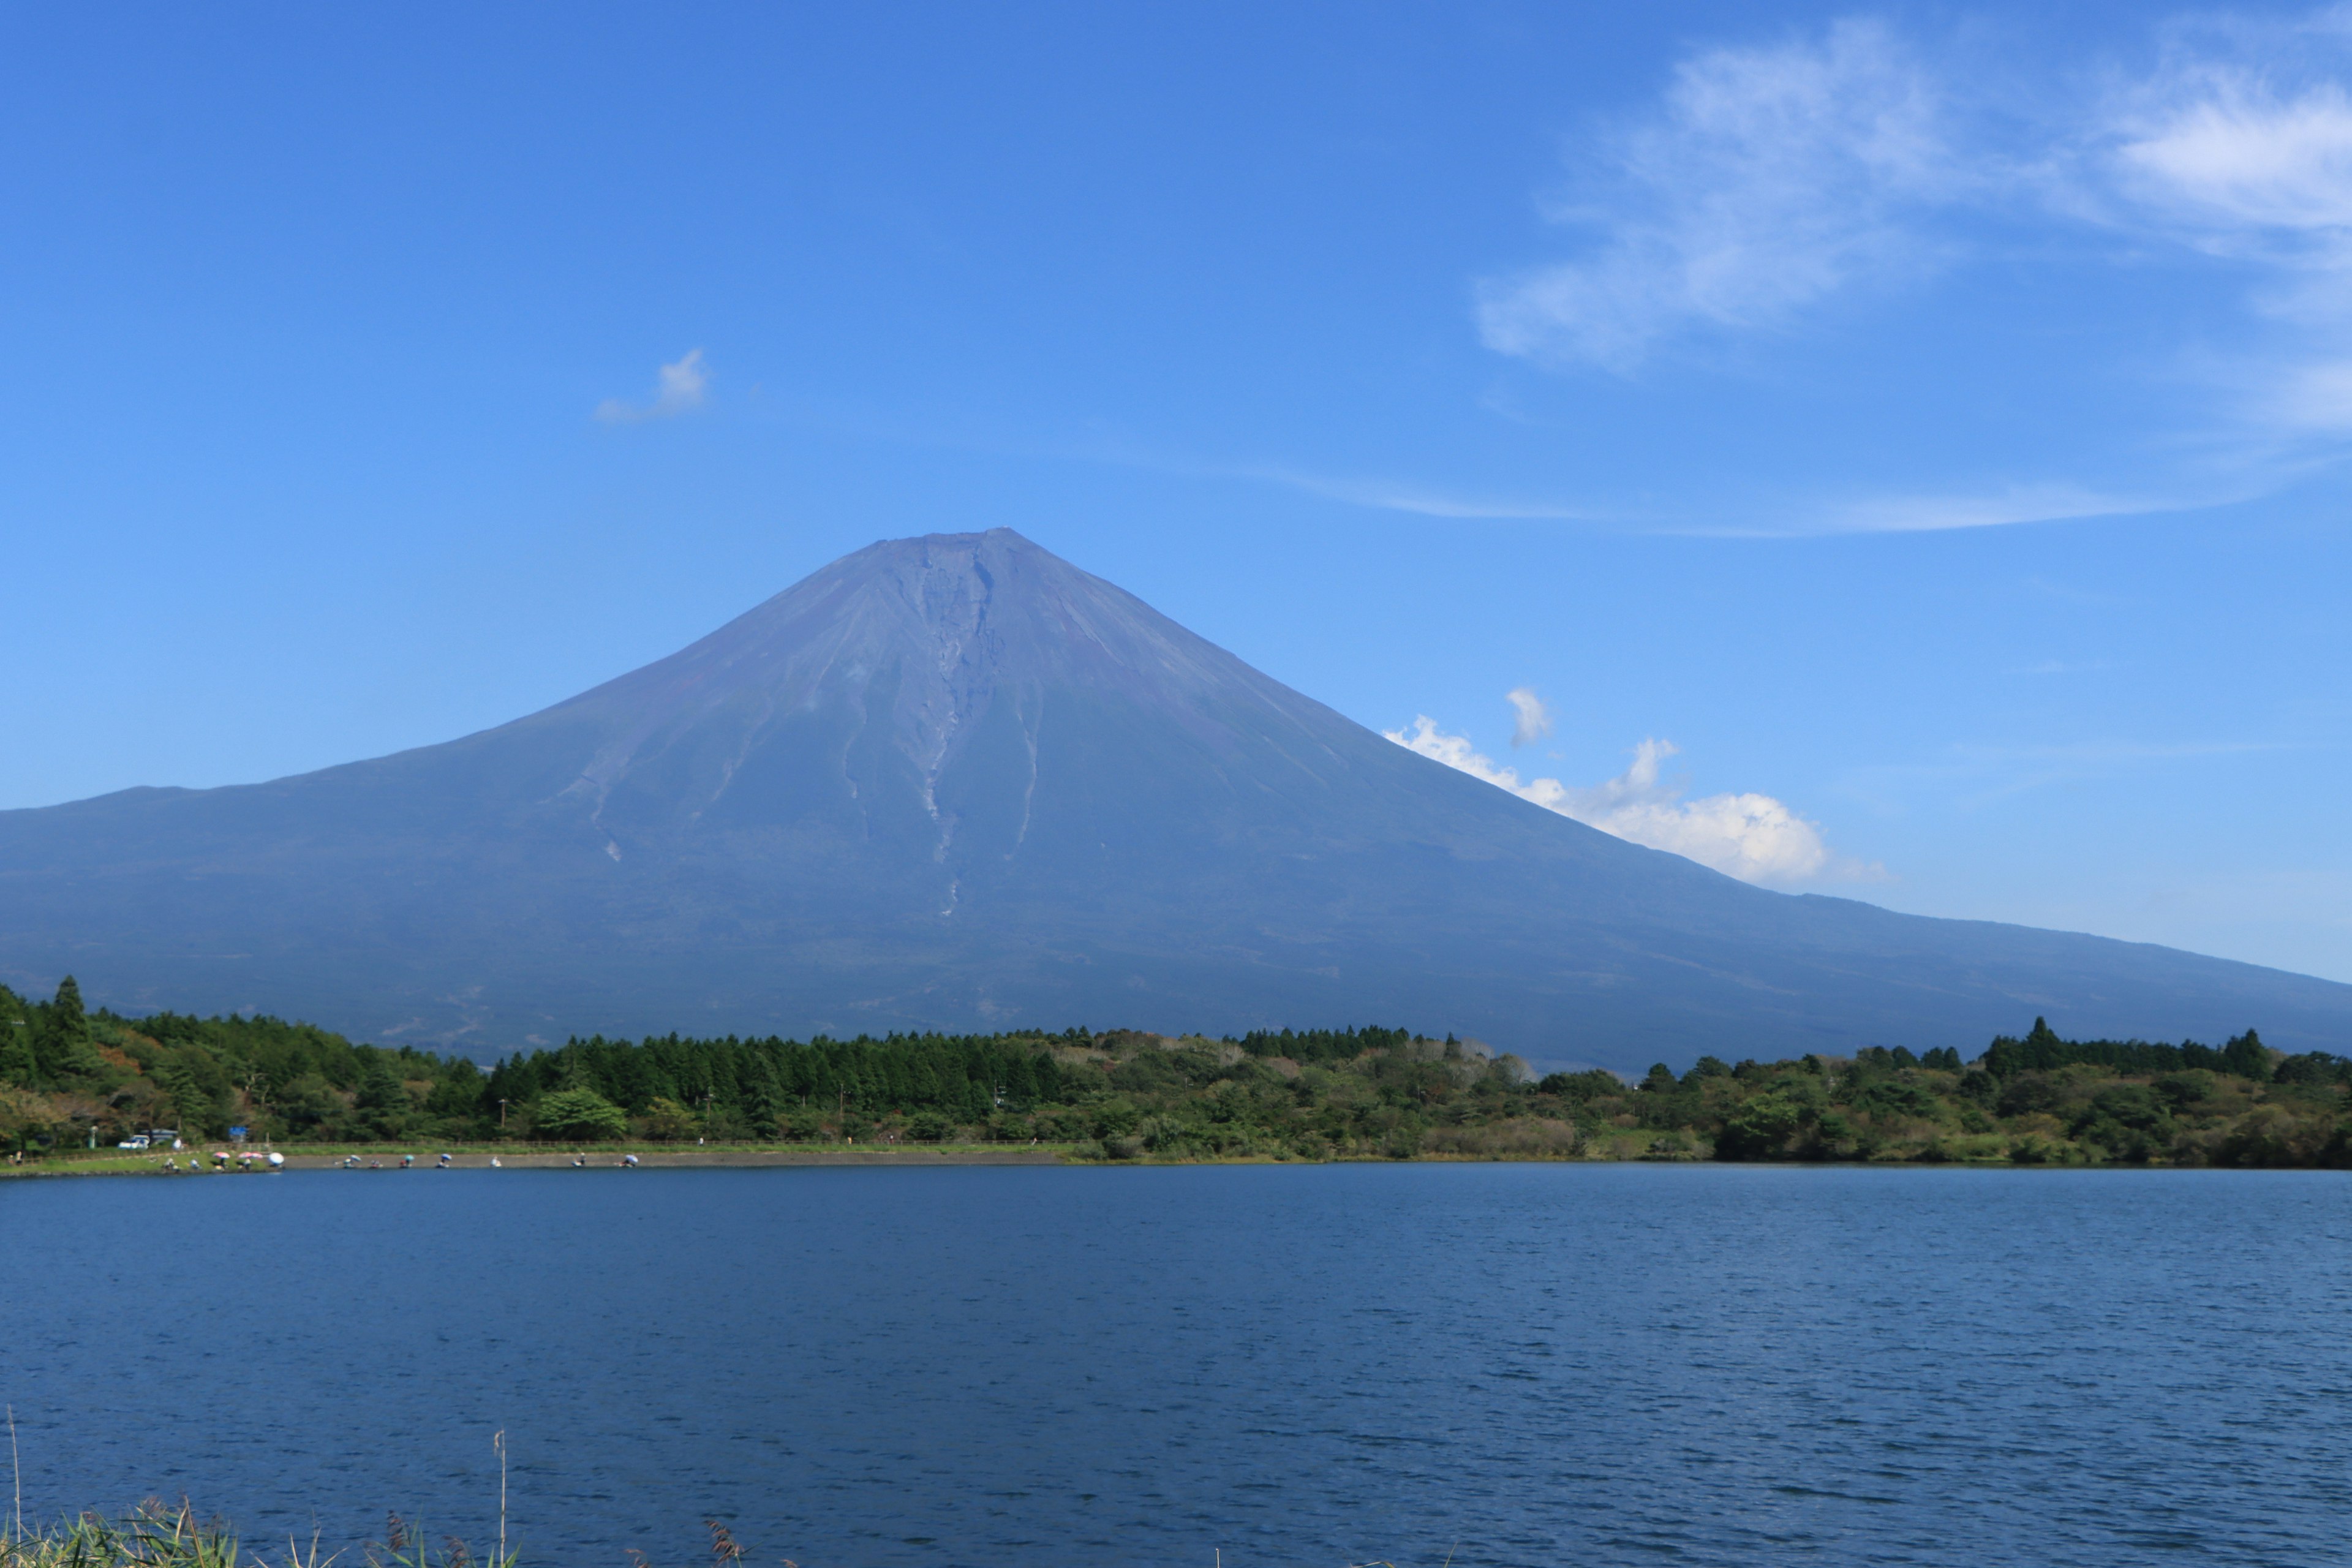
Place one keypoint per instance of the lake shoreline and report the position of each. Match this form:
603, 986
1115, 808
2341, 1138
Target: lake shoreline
124, 1163
611, 1157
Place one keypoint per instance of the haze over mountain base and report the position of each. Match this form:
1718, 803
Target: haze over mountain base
956, 782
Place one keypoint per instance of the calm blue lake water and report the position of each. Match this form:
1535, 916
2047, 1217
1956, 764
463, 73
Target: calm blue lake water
1533, 1365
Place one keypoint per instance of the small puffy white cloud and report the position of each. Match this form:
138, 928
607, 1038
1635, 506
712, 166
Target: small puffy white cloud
1770, 178
1534, 719
1751, 836
680, 388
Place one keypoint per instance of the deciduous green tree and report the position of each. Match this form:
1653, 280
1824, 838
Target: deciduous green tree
578, 1116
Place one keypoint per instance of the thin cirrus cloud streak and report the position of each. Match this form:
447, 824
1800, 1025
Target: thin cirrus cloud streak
1870, 514
1751, 836
680, 388
1880, 514
1422, 500
1944, 513
1971, 777
1769, 185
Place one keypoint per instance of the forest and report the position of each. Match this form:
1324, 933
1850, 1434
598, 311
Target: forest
75, 1078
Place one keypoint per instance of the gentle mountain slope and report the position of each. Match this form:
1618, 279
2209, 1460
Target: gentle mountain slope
956, 782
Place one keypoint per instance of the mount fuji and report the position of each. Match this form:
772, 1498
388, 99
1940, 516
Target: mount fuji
955, 782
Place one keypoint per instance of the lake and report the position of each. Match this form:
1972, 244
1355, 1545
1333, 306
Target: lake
1287, 1364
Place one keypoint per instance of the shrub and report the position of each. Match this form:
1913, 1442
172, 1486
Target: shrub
1116, 1119
668, 1121
2182, 1089
1760, 1129
2271, 1136
2027, 1093
1521, 1138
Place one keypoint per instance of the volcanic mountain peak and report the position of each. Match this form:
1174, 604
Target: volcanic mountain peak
919, 632
955, 781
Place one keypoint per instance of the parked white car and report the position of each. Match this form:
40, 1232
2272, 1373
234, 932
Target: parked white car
138, 1142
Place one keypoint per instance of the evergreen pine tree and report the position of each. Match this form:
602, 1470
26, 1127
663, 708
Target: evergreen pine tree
766, 1100
67, 1008
191, 1108
61, 1047
18, 1066
2246, 1057
382, 1099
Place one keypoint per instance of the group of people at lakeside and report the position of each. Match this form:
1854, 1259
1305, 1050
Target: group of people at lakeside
408, 1161
244, 1161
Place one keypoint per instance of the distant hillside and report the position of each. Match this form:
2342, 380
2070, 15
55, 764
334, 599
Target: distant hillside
955, 783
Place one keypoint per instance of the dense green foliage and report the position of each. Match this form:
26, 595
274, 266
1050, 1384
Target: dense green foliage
68, 1077
157, 1535
153, 1537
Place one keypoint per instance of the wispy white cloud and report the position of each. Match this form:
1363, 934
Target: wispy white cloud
1423, 501
2064, 666
1751, 836
1970, 777
1997, 509
1534, 721
1932, 513
2239, 144
2244, 134
680, 388
1770, 179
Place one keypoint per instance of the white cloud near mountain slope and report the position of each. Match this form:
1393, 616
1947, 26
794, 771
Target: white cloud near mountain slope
680, 388
1751, 836
1770, 179
1532, 720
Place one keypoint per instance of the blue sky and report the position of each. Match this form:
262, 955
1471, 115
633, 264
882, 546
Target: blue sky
1928, 422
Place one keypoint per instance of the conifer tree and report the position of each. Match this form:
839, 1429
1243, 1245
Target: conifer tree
767, 1097
67, 1008
61, 1047
191, 1110
18, 1066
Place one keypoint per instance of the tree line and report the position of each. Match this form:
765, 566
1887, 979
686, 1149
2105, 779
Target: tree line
70, 1077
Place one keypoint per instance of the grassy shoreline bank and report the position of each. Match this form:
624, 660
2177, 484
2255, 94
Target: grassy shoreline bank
377, 1159
157, 1534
